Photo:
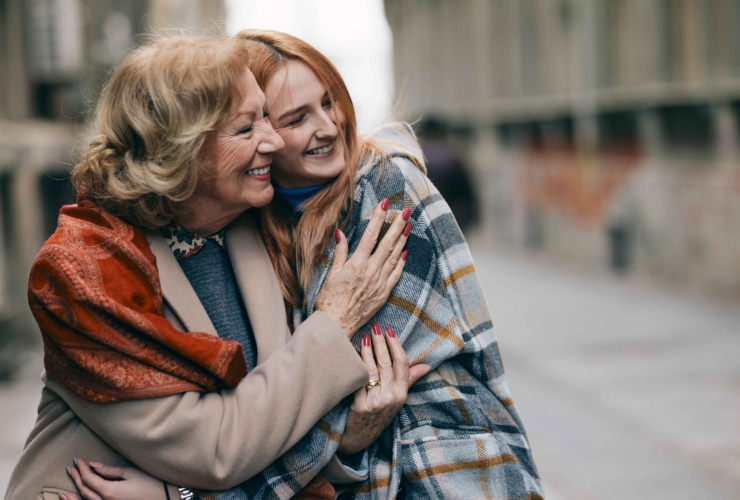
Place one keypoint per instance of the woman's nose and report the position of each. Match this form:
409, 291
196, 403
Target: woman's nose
271, 141
327, 128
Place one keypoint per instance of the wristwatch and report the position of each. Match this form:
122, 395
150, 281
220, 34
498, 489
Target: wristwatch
186, 493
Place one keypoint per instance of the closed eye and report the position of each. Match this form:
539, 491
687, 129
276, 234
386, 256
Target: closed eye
297, 121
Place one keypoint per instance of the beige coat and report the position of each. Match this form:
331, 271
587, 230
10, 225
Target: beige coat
208, 441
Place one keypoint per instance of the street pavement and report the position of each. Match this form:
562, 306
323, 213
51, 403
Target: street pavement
627, 391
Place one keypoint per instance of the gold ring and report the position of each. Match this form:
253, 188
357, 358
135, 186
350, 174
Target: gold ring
371, 384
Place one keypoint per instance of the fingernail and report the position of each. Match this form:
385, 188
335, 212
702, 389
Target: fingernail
337, 235
74, 459
407, 230
404, 254
366, 340
376, 329
384, 204
389, 331
63, 496
406, 214
96, 465
69, 470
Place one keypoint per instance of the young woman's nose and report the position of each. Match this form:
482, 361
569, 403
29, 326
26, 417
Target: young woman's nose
271, 140
326, 126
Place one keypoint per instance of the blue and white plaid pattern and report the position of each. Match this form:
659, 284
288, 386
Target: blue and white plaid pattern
459, 434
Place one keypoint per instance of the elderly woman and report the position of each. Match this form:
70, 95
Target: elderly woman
156, 294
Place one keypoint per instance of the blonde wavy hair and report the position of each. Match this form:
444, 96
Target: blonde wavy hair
152, 122
296, 246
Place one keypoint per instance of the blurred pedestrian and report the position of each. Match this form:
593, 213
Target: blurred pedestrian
448, 172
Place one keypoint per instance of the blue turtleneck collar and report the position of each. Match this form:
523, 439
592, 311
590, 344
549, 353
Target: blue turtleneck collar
296, 196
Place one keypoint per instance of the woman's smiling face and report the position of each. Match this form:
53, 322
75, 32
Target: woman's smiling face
307, 119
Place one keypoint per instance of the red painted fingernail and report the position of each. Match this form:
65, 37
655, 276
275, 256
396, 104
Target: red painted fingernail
389, 331
376, 329
406, 214
384, 204
404, 254
407, 230
366, 340
337, 235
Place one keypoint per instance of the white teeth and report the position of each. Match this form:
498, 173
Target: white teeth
258, 171
321, 151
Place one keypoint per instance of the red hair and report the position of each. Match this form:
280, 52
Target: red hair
304, 242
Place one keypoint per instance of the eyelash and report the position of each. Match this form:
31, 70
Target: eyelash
245, 130
298, 120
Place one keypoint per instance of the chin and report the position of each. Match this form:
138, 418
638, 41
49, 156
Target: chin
261, 199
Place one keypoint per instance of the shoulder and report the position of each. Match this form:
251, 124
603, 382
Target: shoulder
398, 163
397, 137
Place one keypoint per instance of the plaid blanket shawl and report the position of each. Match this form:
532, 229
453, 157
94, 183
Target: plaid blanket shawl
459, 434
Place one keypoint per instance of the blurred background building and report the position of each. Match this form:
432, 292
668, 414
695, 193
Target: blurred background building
602, 132
54, 57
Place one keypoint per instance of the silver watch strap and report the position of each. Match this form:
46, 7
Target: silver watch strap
186, 493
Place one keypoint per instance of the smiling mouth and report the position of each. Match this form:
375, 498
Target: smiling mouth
258, 171
322, 150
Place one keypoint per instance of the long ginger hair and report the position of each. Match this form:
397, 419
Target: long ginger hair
304, 241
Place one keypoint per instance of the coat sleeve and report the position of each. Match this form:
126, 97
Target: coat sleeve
214, 441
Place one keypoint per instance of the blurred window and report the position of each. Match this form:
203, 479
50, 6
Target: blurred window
518, 135
558, 131
56, 191
687, 127
55, 39
618, 130
736, 111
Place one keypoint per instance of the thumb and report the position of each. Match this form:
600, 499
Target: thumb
340, 251
416, 372
108, 471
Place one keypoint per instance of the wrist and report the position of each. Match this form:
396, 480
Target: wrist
349, 330
171, 492
349, 447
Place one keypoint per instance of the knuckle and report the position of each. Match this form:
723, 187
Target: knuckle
372, 233
386, 245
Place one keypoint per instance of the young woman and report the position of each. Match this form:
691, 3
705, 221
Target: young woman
459, 434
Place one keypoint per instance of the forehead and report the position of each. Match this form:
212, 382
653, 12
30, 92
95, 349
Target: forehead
254, 98
293, 85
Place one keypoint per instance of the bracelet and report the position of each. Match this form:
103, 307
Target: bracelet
166, 490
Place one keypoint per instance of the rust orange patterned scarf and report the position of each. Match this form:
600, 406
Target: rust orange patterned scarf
94, 291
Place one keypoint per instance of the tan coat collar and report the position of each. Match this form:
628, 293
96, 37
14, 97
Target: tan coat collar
258, 284
254, 275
